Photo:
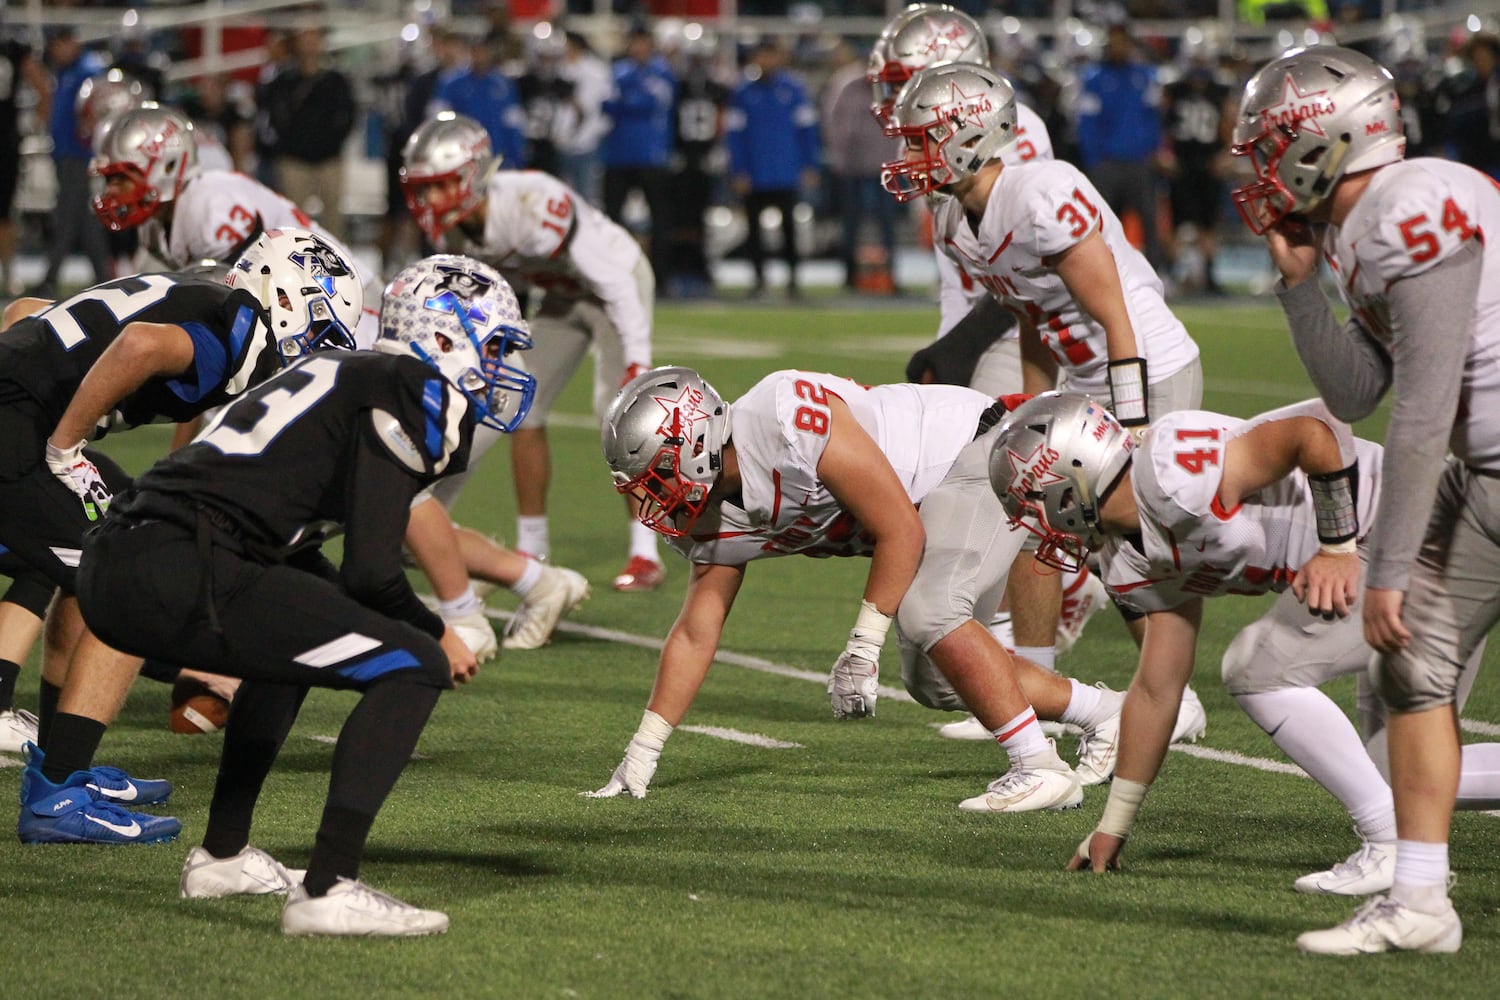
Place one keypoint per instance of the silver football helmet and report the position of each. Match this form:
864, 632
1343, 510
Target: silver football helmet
1307, 119
309, 290
920, 37
1053, 463
103, 97
664, 438
444, 169
953, 119
142, 162
462, 318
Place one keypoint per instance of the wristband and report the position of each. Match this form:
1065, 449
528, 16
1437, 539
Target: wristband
868, 633
653, 732
1335, 495
1127, 392
1125, 797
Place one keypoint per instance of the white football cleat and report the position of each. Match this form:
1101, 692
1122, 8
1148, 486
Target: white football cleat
1001, 628
252, 872
972, 729
1369, 870
1192, 721
557, 593
17, 728
477, 633
1383, 924
1037, 784
1099, 750
353, 909
1082, 597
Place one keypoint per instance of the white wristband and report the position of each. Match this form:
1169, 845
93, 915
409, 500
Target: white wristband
1347, 547
654, 731
1125, 797
868, 633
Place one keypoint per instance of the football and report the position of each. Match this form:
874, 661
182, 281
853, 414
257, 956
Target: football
196, 709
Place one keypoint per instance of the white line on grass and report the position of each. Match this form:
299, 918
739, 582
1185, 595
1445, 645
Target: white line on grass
735, 736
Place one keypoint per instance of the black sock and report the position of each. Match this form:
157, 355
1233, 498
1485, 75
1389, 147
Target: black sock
339, 848
71, 746
9, 673
259, 719
47, 697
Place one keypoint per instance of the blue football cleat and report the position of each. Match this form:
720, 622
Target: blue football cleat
108, 783
74, 813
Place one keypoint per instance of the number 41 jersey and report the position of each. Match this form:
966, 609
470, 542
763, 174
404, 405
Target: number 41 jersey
46, 356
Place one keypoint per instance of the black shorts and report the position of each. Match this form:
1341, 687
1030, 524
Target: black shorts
1197, 198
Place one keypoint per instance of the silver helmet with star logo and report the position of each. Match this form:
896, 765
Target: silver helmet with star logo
952, 120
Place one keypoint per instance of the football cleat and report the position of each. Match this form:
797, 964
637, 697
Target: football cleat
640, 573
17, 728
252, 872
972, 729
1082, 597
354, 909
1028, 786
1099, 750
1192, 721
74, 813
558, 592
115, 785
1383, 924
1369, 870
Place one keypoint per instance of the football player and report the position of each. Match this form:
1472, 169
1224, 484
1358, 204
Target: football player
812, 464
1210, 505
1406, 241
238, 515
598, 292
129, 351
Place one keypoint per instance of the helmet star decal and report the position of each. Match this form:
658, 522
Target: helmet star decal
940, 38
961, 107
1030, 473
681, 413
1297, 110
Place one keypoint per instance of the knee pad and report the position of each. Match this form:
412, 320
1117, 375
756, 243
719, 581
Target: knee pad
1243, 670
925, 621
1409, 681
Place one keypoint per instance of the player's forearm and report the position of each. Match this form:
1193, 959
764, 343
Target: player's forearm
893, 566
1349, 371
684, 664
129, 363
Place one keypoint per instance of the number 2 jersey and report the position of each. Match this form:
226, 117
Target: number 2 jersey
779, 430
46, 356
1189, 546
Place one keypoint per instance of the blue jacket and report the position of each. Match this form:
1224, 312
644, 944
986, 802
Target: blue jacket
63, 125
490, 99
1118, 113
772, 132
642, 109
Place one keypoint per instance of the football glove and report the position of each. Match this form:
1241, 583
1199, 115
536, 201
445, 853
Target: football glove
81, 476
853, 686
476, 632
635, 771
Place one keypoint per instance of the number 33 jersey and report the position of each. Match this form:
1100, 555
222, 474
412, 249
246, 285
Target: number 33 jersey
1189, 545
218, 213
779, 430
46, 356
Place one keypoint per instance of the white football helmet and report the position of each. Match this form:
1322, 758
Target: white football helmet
309, 290
444, 169
1054, 461
664, 438
920, 37
142, 162
462, 318
103, 97
1306, 120
959, 116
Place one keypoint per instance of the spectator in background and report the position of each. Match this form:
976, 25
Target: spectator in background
773, 151
311, 109
583, 123
219, 118
278, 55
1472, 102
1198, 112
857, 148
697, 163
1119, 132
484, 93
17, 66
637, 150
73, 224
545, 97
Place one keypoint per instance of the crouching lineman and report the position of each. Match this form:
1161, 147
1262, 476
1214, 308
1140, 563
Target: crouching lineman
812, 464
1210, 505
213, 558
148, 347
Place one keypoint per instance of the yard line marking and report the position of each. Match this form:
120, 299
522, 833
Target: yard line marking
1230, 757
332, 740
11, 761
1481, 728
735, 736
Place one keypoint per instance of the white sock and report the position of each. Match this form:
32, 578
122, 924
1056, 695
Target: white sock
1479, 781
533, 573
1091, 705
1042, 656
464, 604
531, 536
1319, 738
1000, 628
1022, 737
1421, 875
1375, 821
643, 542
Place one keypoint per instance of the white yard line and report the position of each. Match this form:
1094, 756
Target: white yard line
735, 736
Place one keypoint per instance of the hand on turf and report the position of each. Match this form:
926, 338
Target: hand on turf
853, 685
1383, 629
461, 661
633, 775
1099, 853
81, 476
1328, 584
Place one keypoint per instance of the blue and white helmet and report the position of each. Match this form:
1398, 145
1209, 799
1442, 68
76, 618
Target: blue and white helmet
462, 318
308, 287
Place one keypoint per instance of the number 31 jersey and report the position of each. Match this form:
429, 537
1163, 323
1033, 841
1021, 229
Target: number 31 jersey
46, 356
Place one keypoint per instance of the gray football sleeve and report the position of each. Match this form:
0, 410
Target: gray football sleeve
1348, 368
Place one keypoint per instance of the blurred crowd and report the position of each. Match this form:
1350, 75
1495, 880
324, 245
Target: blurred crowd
675, 121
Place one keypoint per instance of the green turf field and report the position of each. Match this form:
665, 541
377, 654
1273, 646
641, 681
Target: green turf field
836, 867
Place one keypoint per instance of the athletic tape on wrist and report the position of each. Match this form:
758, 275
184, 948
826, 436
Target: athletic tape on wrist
869, 632
1335, 498
653, 731
1125, 798
1127, 391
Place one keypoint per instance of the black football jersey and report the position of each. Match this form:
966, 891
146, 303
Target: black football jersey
1194, 113
13, 56
700, 103
46, 356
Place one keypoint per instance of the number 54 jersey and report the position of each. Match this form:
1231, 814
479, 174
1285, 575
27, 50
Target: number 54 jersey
1189, 545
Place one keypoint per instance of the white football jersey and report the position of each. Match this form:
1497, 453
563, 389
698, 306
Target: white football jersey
1414, 215
215, 213
539, 232
1189, 545
779, 430
1036, 211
